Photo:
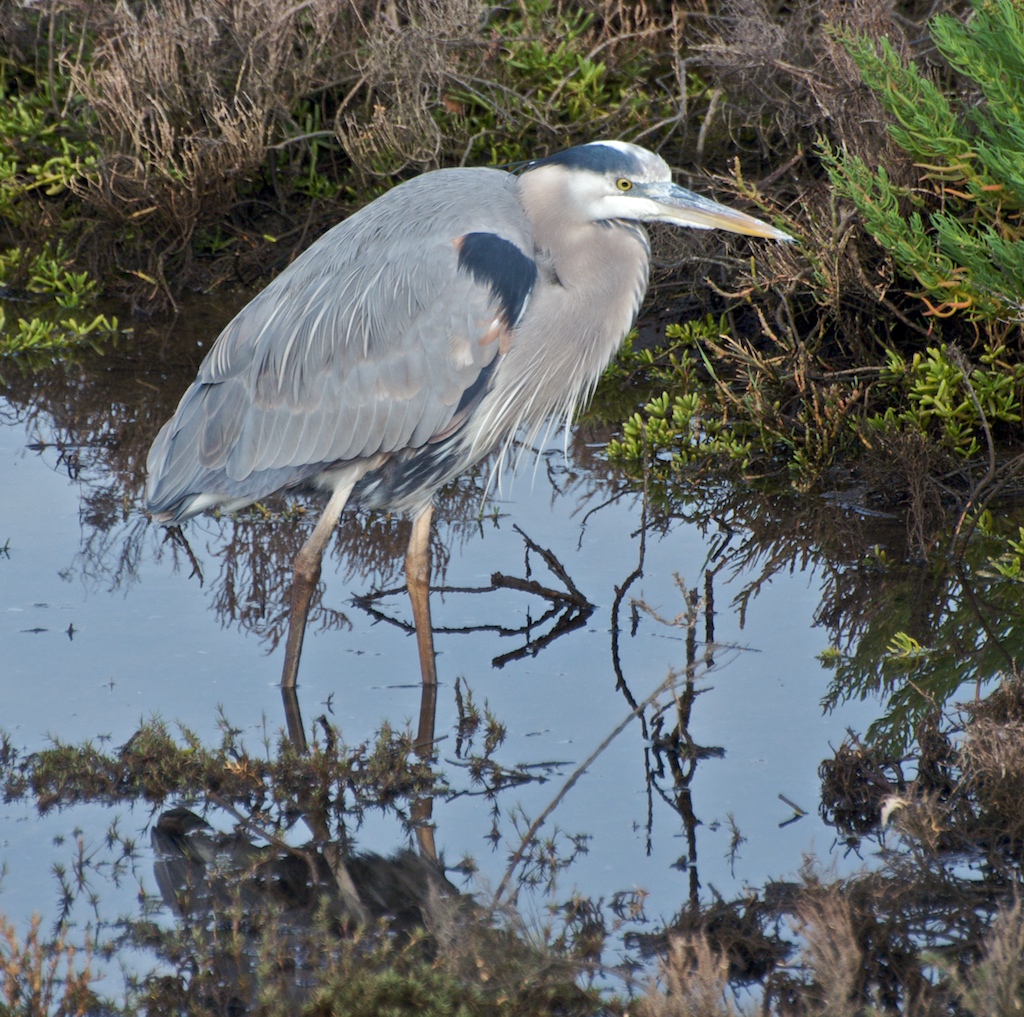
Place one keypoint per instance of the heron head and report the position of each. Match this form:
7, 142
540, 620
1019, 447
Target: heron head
607, 180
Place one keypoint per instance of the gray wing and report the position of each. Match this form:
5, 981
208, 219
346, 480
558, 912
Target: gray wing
366, 345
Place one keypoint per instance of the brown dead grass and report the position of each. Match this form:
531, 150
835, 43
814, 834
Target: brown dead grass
694, 979
992, 761
995, 984
200, 104
40, 975
188, 95
788, 82
406, 65
834, 954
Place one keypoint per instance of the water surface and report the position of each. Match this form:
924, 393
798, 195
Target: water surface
106, 621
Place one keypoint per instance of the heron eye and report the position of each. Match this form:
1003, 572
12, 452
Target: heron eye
623, 184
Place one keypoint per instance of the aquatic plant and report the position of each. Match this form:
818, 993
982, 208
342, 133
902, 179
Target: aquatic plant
42, 974
48, 279
266, 925
41, 336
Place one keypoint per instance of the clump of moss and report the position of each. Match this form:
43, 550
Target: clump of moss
152, 765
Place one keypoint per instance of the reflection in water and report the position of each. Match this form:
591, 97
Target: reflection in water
962, 627
97, 417
281, 903
94, 420
208, 878
566, 607
265, 915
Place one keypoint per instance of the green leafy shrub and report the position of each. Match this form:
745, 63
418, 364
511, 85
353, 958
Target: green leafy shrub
945, 208
49, 277
959, 232
44, 155
711, 400
946, 397
550, 79
678, 423
40, 335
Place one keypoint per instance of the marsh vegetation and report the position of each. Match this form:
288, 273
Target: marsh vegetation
852, 401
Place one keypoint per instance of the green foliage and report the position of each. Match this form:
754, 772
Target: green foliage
947, 403
783, 402
990, 51
549, 63
38, 335
680, 425
41, 151
45, 153
44, 157
1010, 563
905, 648
49, 274
708, 399
181, 115
548, 77
960, 232
308, 177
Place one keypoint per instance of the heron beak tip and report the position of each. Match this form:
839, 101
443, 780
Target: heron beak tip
685, 208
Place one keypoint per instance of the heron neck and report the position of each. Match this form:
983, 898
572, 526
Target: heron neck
592, 277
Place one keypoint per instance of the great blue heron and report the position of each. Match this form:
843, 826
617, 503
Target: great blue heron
417, 336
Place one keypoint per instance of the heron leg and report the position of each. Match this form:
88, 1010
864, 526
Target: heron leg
293, 719
305, 576
421, 810
417, 579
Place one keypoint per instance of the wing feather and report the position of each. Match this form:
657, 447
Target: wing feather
364, 346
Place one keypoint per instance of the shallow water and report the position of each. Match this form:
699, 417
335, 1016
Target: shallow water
106, 622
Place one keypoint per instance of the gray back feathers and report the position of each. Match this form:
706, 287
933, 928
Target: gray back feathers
418, 335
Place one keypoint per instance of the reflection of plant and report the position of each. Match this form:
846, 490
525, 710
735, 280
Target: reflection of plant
263, 919
38, 335
32, 981
927, 640
1010, 564
153, 765
542, 859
